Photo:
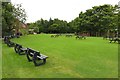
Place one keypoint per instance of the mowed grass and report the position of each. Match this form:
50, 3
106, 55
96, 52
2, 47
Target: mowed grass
0, 59
68, 58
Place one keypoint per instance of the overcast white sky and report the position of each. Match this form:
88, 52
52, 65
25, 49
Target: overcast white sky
62, 9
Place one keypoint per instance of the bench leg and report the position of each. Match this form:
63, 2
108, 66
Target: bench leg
28, 58
16, 49
38, 63
21, 52
41, 63
44, 61
10, 44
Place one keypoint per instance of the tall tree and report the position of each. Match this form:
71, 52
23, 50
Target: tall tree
11, 17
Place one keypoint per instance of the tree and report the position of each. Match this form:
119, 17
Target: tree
12, 16
97, 20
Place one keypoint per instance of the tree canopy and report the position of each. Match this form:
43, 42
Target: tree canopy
96, 21
12, 15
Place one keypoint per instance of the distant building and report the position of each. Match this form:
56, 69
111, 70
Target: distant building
21, 28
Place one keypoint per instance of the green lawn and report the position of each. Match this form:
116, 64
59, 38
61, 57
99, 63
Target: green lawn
0, 58
68, 58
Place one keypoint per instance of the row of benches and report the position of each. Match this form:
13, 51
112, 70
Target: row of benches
32, 55
70, 35
112, 39
80, 37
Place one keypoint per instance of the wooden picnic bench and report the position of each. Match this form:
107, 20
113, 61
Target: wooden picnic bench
19, 49
6, 38
69, 35
57, 35
36, 57
80, 37
114, 40
10, 43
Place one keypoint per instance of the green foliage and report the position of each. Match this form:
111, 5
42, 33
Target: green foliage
96, 21
24, 31
7, 17
12, 16
19, 13
51, 26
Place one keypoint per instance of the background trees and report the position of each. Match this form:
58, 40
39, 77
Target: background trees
96, 21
